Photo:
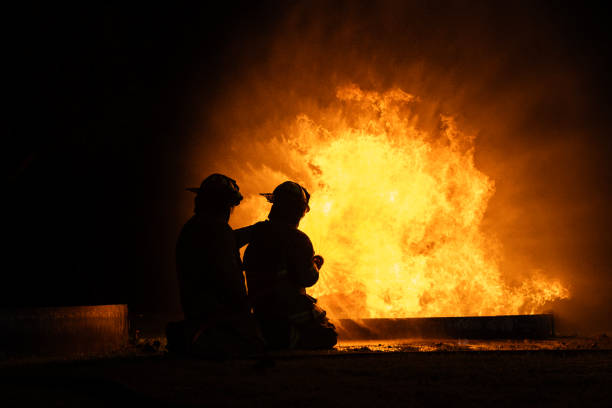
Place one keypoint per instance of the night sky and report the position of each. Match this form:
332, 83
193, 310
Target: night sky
103, 103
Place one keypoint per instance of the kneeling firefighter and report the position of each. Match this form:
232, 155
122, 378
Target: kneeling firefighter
280, 263
218, 320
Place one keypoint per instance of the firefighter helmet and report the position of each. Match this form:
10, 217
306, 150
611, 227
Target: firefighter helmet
289, 192
219, 187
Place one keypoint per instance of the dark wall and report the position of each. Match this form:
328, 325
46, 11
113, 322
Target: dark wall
100, 100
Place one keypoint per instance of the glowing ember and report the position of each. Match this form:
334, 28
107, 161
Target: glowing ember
396, 213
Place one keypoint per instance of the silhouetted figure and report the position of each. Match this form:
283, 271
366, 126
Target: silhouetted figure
218, 321
280, 263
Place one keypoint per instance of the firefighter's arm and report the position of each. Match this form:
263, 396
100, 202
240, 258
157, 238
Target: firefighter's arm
306, 263
308, 274
244, 235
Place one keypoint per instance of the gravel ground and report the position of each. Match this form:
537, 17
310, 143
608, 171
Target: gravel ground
559, 372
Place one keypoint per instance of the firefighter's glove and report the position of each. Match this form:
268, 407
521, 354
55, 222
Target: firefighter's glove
318, 260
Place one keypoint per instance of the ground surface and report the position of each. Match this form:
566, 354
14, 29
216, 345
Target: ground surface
562, 372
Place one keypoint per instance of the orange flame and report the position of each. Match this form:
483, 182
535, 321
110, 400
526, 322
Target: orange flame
396, 212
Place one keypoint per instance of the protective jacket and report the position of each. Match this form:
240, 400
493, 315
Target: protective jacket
209, 270
279, 266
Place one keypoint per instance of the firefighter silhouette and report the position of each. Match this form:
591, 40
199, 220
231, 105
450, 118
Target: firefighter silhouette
280, 263
218, 321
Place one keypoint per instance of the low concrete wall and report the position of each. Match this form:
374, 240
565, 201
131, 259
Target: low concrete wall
477, 327
52, 331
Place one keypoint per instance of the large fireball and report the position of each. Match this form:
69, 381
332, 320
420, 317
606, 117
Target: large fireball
396, 212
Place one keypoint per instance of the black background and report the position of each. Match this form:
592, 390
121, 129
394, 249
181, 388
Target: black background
99, 99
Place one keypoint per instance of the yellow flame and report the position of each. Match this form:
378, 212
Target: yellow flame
396, 213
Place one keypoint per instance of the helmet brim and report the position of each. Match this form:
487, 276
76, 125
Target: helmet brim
270, 198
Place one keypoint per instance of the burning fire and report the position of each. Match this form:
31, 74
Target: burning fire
396, 212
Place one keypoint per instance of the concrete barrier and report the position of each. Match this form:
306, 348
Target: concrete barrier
473, 327
57, 331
